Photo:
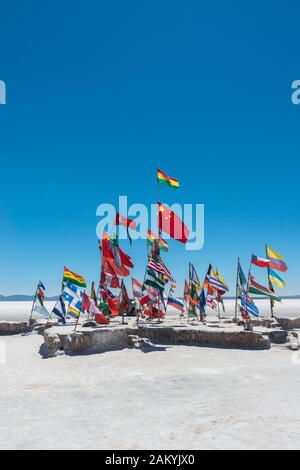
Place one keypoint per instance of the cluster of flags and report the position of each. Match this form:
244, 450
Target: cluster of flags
151, 294
210, 295
273, 262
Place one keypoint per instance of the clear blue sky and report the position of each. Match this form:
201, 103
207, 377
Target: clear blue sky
101, 93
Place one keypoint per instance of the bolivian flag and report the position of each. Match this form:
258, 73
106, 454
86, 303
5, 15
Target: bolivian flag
163, 245
74, 278
165, 179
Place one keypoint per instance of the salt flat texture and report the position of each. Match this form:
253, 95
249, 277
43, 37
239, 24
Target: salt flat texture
20, 311
181, 398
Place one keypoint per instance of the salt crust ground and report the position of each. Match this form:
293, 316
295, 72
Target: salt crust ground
184, 397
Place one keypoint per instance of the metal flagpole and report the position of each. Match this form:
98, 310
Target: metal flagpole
236, 292
247, 288
270, 286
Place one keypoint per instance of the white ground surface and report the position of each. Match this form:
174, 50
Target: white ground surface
181, 398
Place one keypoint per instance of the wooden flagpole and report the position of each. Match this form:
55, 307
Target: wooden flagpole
33, 304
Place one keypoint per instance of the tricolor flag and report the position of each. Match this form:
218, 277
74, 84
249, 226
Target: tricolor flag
165, 179
152, 238
176, 303
276, 261
74, 278
258, 289
261, 262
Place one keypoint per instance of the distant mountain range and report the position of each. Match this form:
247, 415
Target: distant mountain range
22, 298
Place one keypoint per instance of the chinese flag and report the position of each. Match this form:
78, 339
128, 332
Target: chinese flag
170, 223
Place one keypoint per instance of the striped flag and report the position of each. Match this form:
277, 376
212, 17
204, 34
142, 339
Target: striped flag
160, 268
60, 310
258, 289
74, 278
276, 260
152, 279
176, 303
249, 305
260, 262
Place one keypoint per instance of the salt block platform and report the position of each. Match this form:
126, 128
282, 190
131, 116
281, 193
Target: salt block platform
116, 336
12, 328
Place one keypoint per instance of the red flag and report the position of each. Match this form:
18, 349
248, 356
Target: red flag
86, 303
125, 259
118, 260
170, 223
101, 319
108, 277
113, 305
128, 223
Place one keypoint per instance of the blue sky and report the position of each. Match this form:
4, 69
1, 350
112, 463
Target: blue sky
101, 93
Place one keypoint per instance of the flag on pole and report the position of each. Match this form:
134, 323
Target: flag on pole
74, 311
159, 267
75, 279
72, 293
171, 224
176, 303
41, 293
249, 305
165, 179
152, 238
137, 288
242, 281
39, 306
211, 303
154, 280
215, 282
202, 302
276, 260
128, 223
276, 279
125, 222
60, 310
93, 293
260, 262
258, 289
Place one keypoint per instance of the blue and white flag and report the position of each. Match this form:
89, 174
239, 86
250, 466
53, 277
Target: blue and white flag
59, 310
41, 309
249, 305
72, 293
